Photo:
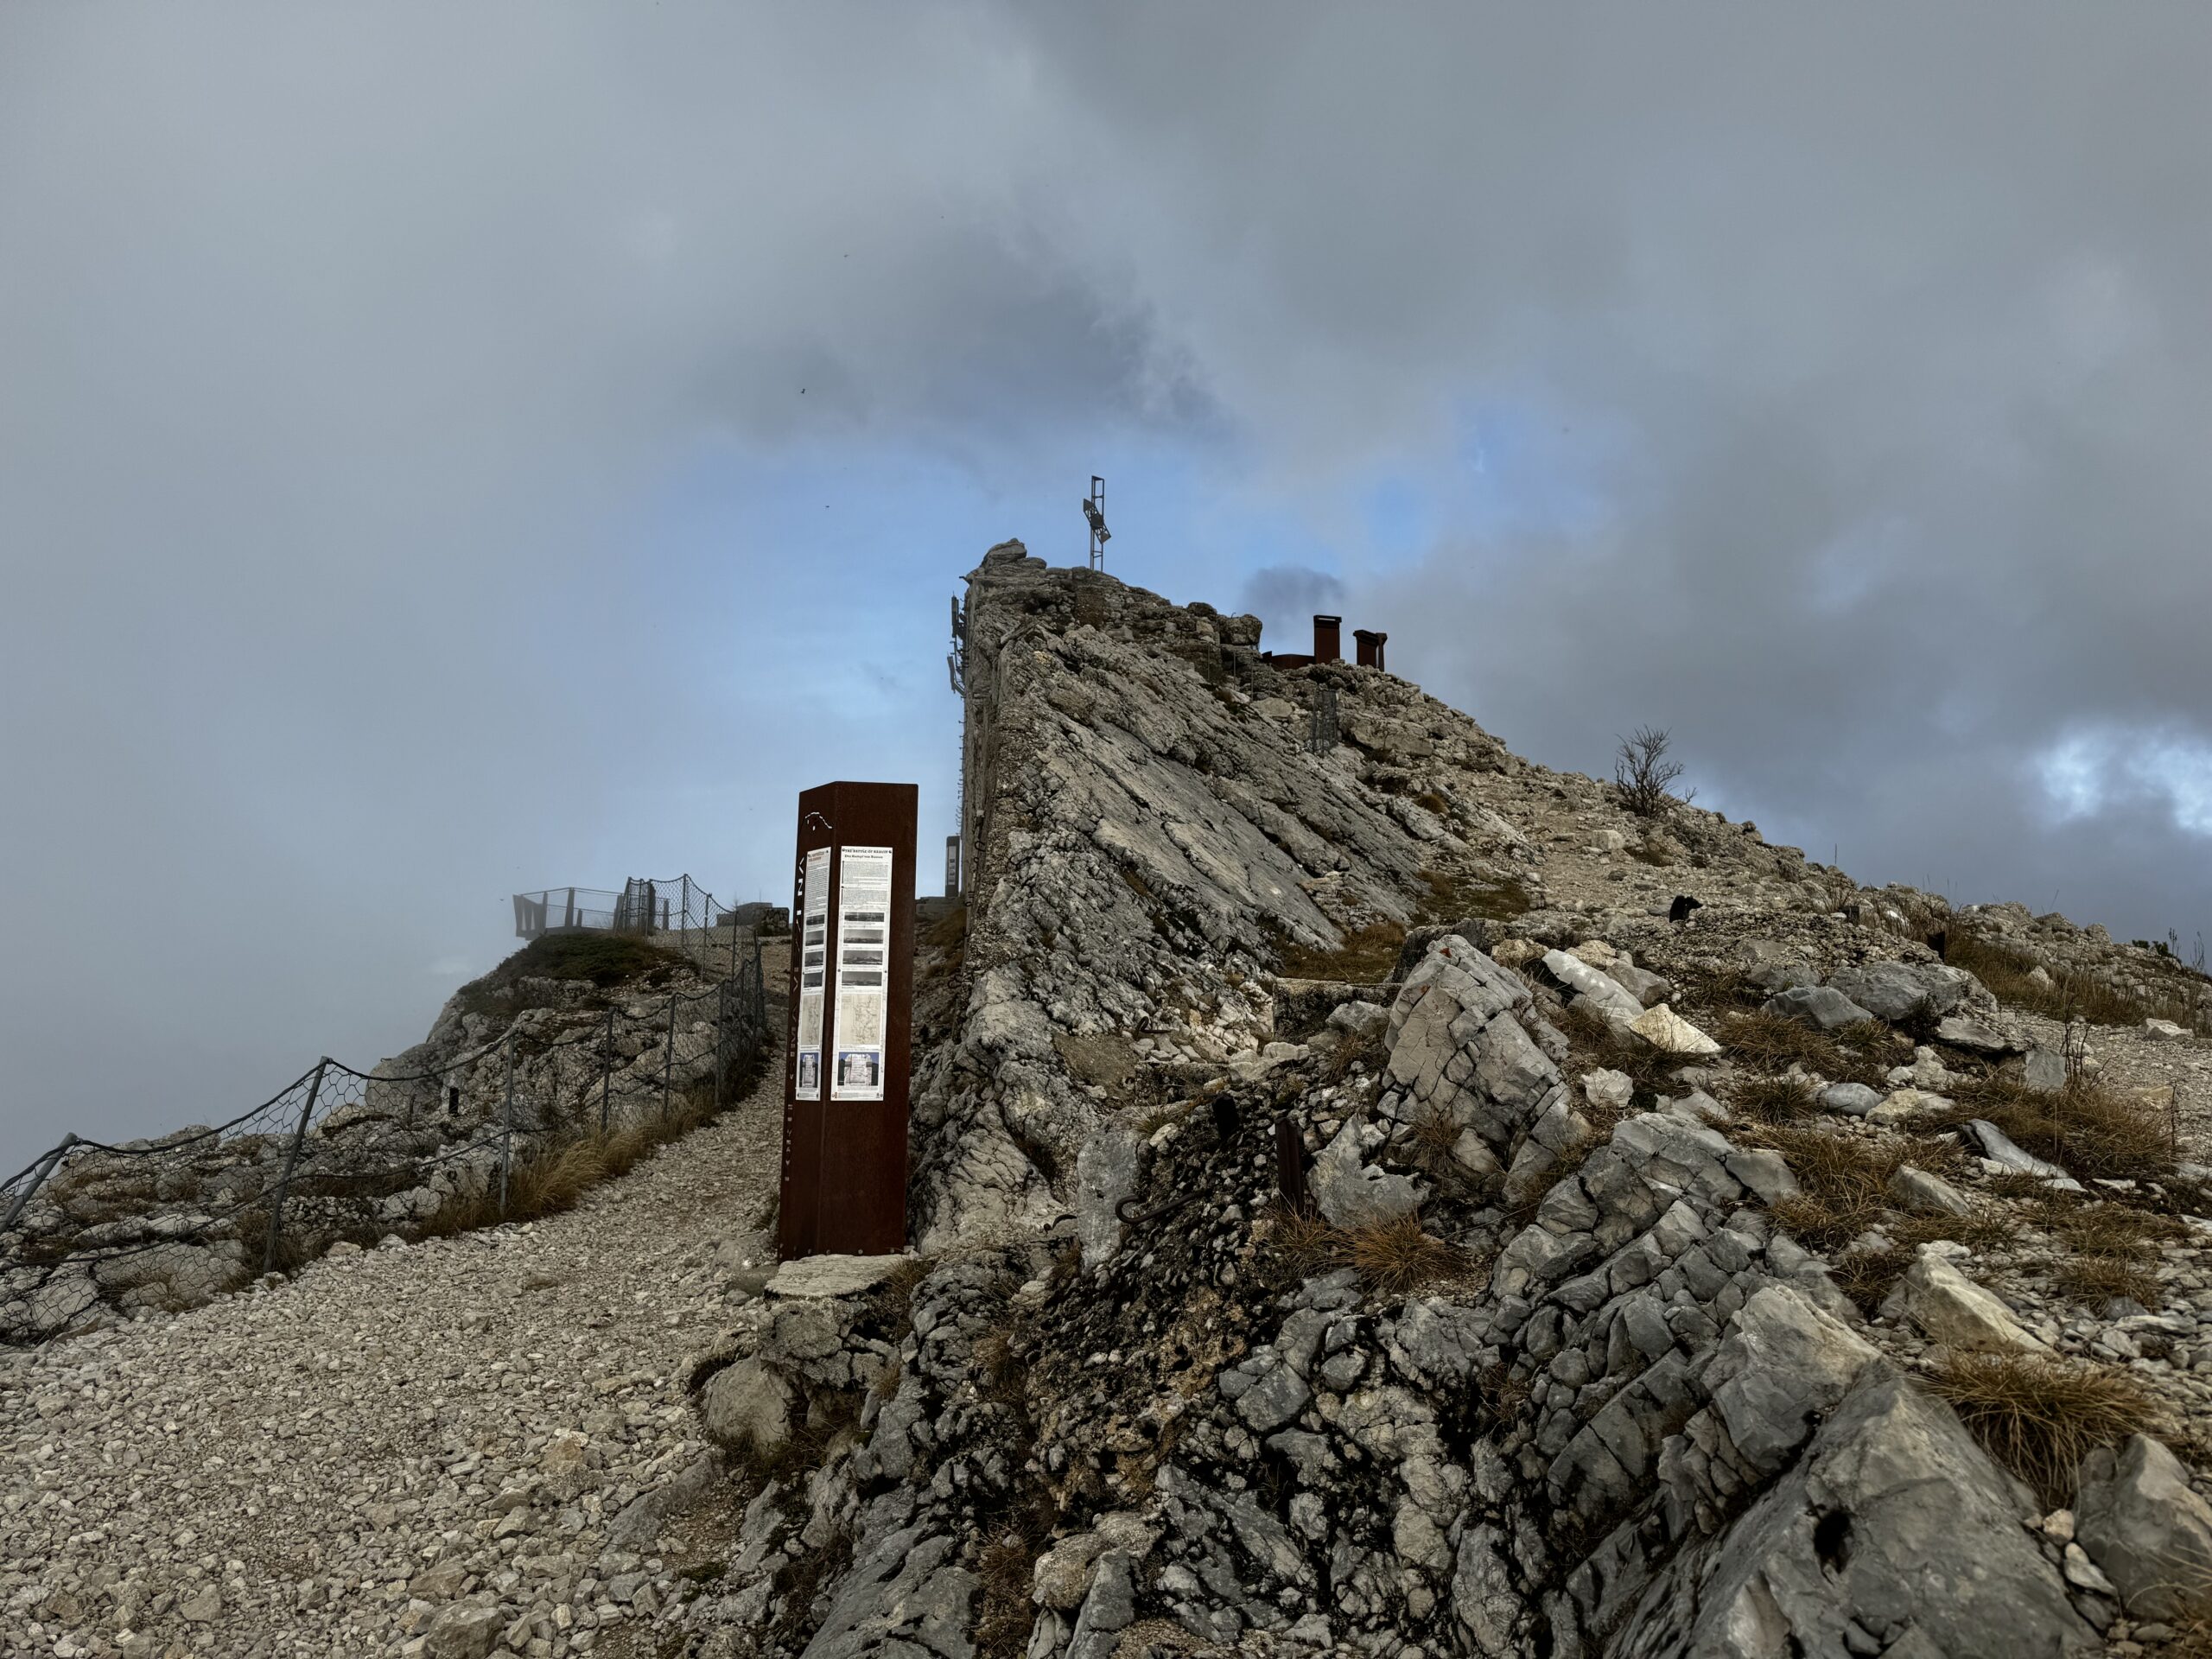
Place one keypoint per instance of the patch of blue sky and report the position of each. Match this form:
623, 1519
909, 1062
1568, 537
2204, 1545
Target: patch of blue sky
2107, 768
1529, 474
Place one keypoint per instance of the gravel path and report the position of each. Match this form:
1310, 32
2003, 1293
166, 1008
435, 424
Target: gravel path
418, 1450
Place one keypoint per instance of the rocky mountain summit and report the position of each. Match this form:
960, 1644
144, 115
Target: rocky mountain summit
1354, 1218
1358, 1210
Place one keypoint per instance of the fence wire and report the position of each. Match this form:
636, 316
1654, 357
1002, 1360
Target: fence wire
647, 907
340, 1154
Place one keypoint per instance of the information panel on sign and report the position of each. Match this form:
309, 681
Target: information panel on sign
863, 971
814, 937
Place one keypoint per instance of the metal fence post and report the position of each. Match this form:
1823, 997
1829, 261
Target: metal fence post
45, 1168
606, 1070
722, 1043
291, 1158
759, 989
668, 1058
507, 1125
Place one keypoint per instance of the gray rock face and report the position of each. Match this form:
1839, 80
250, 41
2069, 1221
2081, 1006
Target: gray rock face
1902, 990
1965, 1031
1782, 1366
1821, 1007
1605, 992
1360, 1018
1646, 986
1774, 975
1105, 1173
1352, 1192
906, 1595
1681, 1448
2139, 1520
747, 1406
2045, 1070
1850, 1099
1955, 1311
2000, 1148
1926, 1194
463, 1631
1893, 1534
815, 1278
1125, 824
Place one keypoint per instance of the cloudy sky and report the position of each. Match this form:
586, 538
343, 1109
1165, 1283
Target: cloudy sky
449, 449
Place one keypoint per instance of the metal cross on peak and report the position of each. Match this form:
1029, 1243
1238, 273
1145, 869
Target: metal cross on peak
1094, 509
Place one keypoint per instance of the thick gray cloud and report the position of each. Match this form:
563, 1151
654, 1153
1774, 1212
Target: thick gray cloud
409, 418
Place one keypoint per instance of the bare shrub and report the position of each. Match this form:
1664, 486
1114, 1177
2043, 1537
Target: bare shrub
1645, 776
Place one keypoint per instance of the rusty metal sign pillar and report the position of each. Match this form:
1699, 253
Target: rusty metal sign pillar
848, 1065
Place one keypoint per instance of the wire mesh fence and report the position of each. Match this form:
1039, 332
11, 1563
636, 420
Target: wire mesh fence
509, 1128
644, 905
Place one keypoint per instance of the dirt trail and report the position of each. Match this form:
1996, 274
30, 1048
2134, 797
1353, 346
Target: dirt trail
393, 1451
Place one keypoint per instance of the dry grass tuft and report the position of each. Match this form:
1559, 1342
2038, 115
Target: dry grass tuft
1598, 1044
1845, 1184
1774, 1100
1454, 898
890, 1303
1981, 1232
1304, 1243
2092, 1280
2039, 1417
1004, 1567
1434, 1135
830, 1421
2105, 1229
1371, 1051
1001, 1369
1396, 1257
554, 1181
1366, 956
2092, 1132
1774, 1042
1868, 1276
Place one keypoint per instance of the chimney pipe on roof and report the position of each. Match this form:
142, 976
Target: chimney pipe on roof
1328, 645
1368, 645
